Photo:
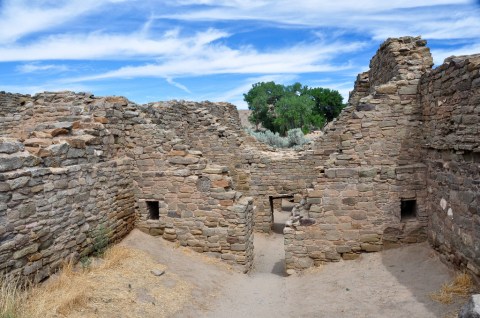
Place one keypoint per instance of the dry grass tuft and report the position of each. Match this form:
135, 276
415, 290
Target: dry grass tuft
60, 295
12, 295
461, 286
121, 282
114, 256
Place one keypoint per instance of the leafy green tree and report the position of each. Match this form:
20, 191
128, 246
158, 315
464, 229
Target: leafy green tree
295, 111
281, 108
261, 99
328, 102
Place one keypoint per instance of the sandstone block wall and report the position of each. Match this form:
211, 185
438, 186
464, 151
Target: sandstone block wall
450, 97
51, 214
256, 170
197, 204
398, 165
374, 164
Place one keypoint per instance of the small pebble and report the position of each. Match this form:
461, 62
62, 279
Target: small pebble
157, 272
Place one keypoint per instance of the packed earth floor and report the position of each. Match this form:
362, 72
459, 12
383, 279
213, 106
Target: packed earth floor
393, 283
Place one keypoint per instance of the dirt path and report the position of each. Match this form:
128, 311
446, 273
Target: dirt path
394, 283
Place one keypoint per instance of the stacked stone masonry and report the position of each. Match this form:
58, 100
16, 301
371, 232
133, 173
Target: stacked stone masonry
400, 165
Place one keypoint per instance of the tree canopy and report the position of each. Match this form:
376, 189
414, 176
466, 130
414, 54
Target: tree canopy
280, 108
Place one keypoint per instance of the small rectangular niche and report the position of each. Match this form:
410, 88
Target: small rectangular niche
408, 209
153, 210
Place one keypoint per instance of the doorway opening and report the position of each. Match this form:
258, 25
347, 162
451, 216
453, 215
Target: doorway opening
280, 211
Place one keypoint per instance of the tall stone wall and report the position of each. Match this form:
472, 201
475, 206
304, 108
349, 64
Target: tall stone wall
371, 165
450, 97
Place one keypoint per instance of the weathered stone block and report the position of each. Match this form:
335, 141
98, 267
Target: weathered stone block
26, 251
346, 173
472, 308
27, 210
369, 238
332, 256
187, 160
350, 256
343, 249
10, 146
371, 247
365, 107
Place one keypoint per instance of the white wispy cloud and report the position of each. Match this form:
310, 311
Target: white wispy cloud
174, 40
439, 55
98, 45
380, 19
220, 59
178, 85
22, 17
34, 67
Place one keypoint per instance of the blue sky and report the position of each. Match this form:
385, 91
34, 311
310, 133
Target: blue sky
149, 50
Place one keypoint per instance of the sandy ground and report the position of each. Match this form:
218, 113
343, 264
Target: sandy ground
393, 283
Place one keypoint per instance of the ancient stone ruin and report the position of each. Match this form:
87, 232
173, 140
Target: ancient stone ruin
400, 165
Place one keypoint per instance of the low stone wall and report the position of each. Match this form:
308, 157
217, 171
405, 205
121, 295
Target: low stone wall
357, 210
97, 170
49, 215
213, 130
270, 176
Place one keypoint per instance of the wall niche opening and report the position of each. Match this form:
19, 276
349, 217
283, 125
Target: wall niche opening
408, 209
153, 210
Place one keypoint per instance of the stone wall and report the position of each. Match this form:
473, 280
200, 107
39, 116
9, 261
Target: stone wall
371, 166
256, 169
450, 97
51, 214
196, 202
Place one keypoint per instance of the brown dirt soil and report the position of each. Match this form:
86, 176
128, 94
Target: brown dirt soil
394, 283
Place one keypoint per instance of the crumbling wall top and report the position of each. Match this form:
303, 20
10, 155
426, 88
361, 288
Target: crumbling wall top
405, 58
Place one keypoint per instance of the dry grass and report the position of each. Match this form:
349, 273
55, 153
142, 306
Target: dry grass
12, 295
119, 285
60, 295
461, 286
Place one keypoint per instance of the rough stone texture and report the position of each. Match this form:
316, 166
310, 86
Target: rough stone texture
409, 133
451, 146
471, 309
110, 157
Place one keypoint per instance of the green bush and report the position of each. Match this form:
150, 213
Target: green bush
100, 240
295, 137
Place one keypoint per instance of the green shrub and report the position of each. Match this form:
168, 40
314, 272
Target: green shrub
295, 137
100, 240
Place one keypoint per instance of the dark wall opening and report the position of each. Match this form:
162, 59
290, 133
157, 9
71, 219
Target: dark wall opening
153, 210
408, 209
278, 227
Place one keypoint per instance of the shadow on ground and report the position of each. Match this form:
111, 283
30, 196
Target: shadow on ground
418, 268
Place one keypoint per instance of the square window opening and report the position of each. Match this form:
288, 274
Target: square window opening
153, 210
408, 209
